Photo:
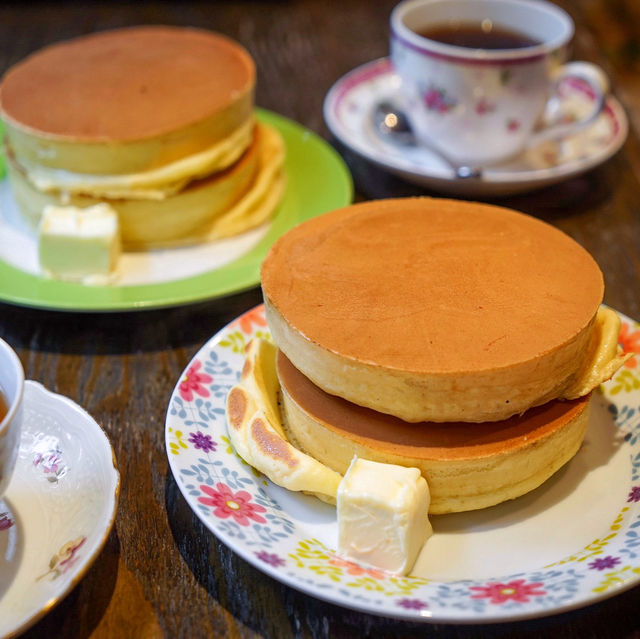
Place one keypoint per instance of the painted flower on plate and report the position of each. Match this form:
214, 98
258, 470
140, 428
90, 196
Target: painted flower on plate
203, 442
603, 563
629, 339
355, 569
254, 316
225, 503
194, 382
634, 494
178, 444
412, 604
517, 590
270, 558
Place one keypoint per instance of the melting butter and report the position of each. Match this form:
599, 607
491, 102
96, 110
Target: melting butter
603, 358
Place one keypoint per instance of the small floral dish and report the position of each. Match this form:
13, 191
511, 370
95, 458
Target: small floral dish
485, 566
349, 105
58, 510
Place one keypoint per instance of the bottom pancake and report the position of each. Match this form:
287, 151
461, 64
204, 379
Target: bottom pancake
226, 203
467, 466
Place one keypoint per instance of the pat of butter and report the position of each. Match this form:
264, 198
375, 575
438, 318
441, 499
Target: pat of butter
79, 244
383, 515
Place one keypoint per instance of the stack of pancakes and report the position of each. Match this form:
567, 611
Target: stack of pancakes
459, 338
158, 122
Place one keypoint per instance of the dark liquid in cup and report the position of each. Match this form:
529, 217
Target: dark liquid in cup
4, 407
475, 35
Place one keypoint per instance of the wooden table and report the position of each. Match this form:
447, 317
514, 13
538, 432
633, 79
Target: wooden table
162, 574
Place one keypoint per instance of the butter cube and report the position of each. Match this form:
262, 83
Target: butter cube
79, 244
383, 515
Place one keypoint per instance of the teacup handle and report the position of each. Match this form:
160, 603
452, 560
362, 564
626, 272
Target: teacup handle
597, 84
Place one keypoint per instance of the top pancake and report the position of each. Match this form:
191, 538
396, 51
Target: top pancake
127, 84
432, 285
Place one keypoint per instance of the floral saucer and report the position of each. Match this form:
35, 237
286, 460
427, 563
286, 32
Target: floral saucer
59, 508
479, 567
348, 109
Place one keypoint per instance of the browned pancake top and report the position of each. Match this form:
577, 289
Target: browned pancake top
126, 84
425, 440
432, 285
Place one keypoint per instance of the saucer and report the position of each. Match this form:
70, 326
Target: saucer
349, 104
58, 510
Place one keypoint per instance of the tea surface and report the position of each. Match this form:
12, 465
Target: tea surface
477, 35
4, 407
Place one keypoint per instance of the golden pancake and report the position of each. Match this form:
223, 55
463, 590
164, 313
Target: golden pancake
467, 466
432, 309
225, 203
155, 184
127, 100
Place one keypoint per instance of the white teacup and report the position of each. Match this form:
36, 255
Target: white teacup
11, 389
478, 106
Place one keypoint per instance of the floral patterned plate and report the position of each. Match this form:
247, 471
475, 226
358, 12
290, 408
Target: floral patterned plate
58, 510
349, 104
490, 565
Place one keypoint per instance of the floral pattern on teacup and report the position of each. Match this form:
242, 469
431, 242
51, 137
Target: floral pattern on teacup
484, 106
437, 99
513, 125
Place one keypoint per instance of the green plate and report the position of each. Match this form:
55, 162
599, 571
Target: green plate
317, 181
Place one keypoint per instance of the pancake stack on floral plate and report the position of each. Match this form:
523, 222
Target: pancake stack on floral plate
459, 338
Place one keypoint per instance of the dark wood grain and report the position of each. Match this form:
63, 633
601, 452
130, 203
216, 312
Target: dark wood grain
162, 574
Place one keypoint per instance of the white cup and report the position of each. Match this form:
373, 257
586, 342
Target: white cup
481, 106
12, 390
